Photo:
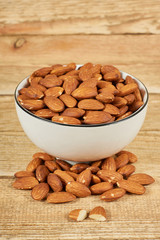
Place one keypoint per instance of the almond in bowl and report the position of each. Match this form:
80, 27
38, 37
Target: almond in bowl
81, 112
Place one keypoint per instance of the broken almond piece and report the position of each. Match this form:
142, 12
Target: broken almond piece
98, 213
78, 214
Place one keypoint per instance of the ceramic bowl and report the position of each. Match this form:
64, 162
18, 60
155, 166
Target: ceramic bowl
81, 143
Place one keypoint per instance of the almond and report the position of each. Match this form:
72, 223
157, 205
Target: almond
68, 100
85, 73
98, 213
45, 113
84, 92
42, 72
127, 89
111, 109
138, 95
85, 177
32, 104
101, 187
70, 84
73, 112
124, 116
129, 80
54, 182
60, 197
130, 98
131, 186
131, 156
96, 117
25, 183
34, 80
22, 97
23, 174
95, 179
78, 189
22, 91
40, 191
40, 87
66, 120
113, 194
93, 169
141, 178
122, 110
63, 164
31, 167
42, 173
119, 85
134, 106
126, 170
90, 104
89, 83
109, 164
53, 103
109, 176
54, 91
73, 73
63, 69
121, 160
33, 92
96, 163
50, 81
64, 176
52, 166
78, 214
106, 97
110, 73
97, 76
43, 156
103, 84
110, 88
119, 102
72, 174
79, 167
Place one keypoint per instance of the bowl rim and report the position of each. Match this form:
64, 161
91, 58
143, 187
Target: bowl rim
85, 125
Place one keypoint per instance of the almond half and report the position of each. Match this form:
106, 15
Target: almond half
78, 214
98, 213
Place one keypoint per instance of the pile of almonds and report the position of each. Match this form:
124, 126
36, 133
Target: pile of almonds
91, 94
60, 182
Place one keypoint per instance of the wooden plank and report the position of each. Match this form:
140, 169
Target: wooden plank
86, 17
11, 75
128, 218
8, 112
116, 50
17, 151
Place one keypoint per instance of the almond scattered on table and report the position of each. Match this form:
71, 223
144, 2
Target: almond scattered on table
90, 94
60, 182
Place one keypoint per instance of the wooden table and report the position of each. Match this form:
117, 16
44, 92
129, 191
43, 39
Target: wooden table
39, 33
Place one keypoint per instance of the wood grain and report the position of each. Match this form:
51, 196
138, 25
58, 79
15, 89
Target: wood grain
82, 17
37, 50
12, 75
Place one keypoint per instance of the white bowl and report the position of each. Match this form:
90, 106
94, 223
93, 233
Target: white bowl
81, 143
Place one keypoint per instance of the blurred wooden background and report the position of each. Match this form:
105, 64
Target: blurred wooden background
34, 34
